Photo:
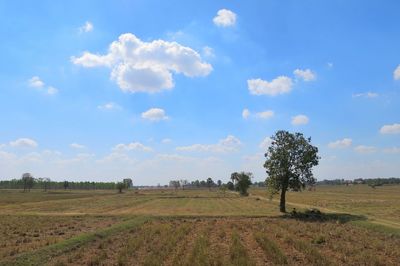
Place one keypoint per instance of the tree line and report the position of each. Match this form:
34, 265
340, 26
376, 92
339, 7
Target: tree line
28, 182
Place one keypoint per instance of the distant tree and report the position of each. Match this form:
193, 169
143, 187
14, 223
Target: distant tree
184, 183
210, 183
234, 177
289, 162
230, 186
219, 183
46, 183
28, 181
128, 182
243, 181
66, 184
120, 186
175, 184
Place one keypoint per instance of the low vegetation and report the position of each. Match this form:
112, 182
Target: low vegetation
190, 227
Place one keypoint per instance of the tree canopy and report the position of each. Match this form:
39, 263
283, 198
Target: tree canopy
289, 162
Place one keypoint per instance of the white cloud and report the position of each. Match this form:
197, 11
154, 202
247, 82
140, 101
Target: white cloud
51, 90
279, 85
133, 146
329, 64
300, 120
365, 149
208, 52
36, 82
265, 143
229, 144
342, 143
139, 66
166, 141
87, 27
306, 74
109, 106
154, 114
392, 150
225, 18
77, 146
390, 129
366, 95
24, 143
396, 73
265, 114
245, 113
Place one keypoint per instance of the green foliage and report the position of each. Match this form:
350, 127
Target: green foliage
230, 185
289, 162
242, 182
121, 186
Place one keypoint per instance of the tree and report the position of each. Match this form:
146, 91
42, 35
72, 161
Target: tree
66, 184
184, 183
28, 181
120, 186
243, 181
128, 182
230, 186
174, 183
219, 183
289, 162
210, 183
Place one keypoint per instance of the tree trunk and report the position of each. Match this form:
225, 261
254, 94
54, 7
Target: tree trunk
282, 204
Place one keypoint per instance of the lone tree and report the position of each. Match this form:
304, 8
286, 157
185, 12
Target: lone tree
28, 181
210, 183
289, 162
242, 181
120, 186
128, 182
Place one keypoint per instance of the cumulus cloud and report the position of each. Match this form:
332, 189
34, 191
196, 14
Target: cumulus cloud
305, 74
265, 114
36, 82
77, 146
109, 106
300, 120
279, 85
138, 66
341, 143
265, 143
366, 95
133, 146
154, 114
225, 18
87, 27
245, 113
390, 129
365, 149
228, 144
24, 143
396, 73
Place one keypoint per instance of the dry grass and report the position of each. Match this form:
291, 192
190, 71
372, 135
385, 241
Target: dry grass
198, 227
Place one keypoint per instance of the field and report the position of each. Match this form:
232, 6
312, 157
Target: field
358, 226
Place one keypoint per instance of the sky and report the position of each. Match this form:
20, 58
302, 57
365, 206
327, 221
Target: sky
162, 90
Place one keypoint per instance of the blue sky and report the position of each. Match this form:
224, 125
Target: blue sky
159, 90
